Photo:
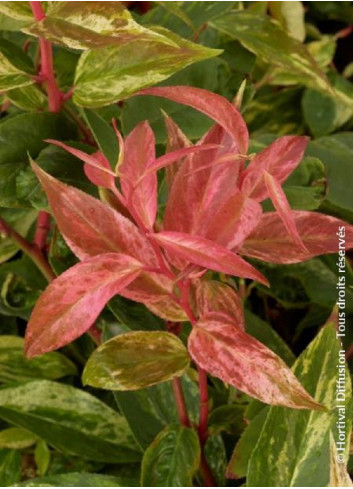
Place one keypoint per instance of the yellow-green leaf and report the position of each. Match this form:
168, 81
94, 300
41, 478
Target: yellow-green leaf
136, 360
17, 438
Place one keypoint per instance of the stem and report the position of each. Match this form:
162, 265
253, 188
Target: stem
206, 472
47, 67
42, 229
203, 423
31, 250
180, 402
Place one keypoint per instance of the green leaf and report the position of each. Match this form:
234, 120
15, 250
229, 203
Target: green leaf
106, 75
19, 219
172, 459
60, 164
16, 69
69, 419
291, 16
17, 10
16, 438
228, 418
263, 332
42, 457
238, 464
294, 446
22, 134
216, 457
272, 44
15, 367
10, 467
79, 480
104, 134
322, 113
29, 98
150, 410
134, 315
136, 360
336, 152
91, 25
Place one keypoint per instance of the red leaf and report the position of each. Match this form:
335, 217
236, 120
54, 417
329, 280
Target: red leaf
281, 204
214, 106
176, 139
215, 298
91, 227
270, 240
238, 359
96, 161
196, 196
208, 254
98, 176
139, 155
73, 301
234, 221
279, 159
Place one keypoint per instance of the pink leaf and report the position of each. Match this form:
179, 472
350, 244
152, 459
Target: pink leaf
98, 176
270, 240
91, 227
214, 106
139, 155
73, 301
279, 159
176, 139
238, 359
281, 204
235, 219
208, 254
91, 160
196, 196
219, 299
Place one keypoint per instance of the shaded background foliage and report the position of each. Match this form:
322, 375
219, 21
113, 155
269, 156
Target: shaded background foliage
298, 75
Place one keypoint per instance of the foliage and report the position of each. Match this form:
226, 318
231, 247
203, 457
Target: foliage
176, 219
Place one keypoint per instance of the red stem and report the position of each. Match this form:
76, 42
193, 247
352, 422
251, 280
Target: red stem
42, 229
180, 402
47, 67
203, 422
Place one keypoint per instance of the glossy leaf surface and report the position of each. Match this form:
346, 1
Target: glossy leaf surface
136, 360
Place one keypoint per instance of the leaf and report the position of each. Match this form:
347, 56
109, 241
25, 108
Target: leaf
20, 220
279, 159
91, 227
213, 297
283, 209
273, 45
10, 467
227, 352
112, 73
16, 69
302, 438
15, 367
206, 253
104, 135
291, 16
17, 11
139, 156
136, 360
216, 456
28, 98
20, 135
79, 480
270, 241
42, 457
214, 106
72, 302
172, 459
339, 476
70, 420
16, 438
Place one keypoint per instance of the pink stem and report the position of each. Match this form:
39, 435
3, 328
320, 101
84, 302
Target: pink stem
42, 229
47, 67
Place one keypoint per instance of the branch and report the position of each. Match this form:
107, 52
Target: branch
42, 229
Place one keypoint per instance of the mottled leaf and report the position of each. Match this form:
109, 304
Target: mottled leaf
81, 479
208, 254
136, 360
271, 242
16, 438
172, 459
73, 301
69, 419
227, 352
